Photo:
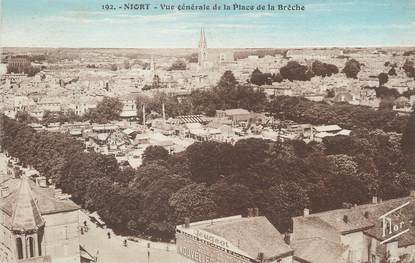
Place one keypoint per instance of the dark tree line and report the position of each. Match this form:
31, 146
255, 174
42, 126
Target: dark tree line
346, 116
213, 179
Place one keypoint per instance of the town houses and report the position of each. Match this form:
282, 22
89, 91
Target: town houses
382, 231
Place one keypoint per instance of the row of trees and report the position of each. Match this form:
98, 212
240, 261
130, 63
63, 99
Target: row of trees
293, 70
213, 179
26, 69
345, 115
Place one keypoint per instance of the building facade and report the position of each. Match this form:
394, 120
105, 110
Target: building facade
37, 223
232, 239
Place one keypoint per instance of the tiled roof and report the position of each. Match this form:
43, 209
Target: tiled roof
26, 214
252, 235
27, 202
236, 112
319, 250
366, 218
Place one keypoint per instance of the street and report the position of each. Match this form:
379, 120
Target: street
112, 250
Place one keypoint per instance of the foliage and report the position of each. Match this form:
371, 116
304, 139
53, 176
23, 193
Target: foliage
351, 68
259, 78
61, 117
295, 71
323, 69
408, 138
383, 78
409, 68
27, 69
178, 65
24, 117
155, 153
107, 110
345, 115
212, 179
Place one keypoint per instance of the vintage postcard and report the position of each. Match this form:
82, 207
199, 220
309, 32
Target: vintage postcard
204, 131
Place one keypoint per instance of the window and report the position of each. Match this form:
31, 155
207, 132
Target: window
31, 247
19, 248
39, 242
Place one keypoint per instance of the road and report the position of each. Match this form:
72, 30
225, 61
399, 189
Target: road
112, 250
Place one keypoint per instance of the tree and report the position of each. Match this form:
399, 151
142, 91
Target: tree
409, 68
323, 69
155, 153
351, 68
231, 199
392, 71
194, 201
227, 80
107, 110
259, 78
24, 117
285, 201
178, 65
383, 78
209, 161
294, 71
408, 138
277, 78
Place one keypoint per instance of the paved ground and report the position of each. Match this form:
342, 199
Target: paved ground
112, 250
3, 163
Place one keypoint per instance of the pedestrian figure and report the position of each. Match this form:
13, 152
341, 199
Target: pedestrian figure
82, 230
109, 235
125, 242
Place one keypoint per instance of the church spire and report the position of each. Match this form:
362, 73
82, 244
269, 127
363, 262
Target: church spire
202, 40
202, 57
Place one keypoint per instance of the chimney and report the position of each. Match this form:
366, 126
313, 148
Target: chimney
306, 212
4, 191
374, 199
186, 222
260, 256
256, 211
250, 212
412, 194
345, 219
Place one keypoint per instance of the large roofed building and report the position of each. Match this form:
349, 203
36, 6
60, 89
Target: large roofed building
366, 233
234, 239
37, 223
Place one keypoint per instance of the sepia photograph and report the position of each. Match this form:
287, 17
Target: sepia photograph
207, 131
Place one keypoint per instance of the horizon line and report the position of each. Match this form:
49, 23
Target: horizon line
284, 47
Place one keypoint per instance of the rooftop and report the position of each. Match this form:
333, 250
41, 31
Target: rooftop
366, 218
250, 235
27, 202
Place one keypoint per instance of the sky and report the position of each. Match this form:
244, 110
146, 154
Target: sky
324, 23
